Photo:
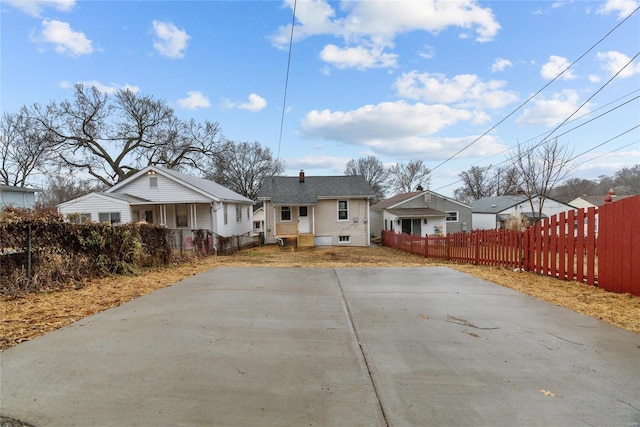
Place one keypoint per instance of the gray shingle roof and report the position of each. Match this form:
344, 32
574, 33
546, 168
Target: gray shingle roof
496, 204
285, 190
383, 204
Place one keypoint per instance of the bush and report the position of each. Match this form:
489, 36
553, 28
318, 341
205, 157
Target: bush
63, 253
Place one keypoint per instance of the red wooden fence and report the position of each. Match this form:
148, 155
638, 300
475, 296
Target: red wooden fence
597, 246
619, 246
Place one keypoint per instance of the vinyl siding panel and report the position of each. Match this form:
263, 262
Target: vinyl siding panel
327, 224
17, 199
95, 204
167, 191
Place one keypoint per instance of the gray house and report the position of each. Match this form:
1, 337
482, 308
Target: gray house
18, 197
316, 210
420, 213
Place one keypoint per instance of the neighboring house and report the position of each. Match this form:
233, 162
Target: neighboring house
18, 197
316, 210
167, 198
496, 212
586, 202
420, 213
258, 220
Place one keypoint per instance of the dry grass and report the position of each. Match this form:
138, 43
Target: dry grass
33, 315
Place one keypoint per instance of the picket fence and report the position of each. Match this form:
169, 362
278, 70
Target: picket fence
596, 246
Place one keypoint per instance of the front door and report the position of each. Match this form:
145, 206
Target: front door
303, 220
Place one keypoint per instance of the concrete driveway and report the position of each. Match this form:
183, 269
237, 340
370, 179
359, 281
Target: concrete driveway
328, 347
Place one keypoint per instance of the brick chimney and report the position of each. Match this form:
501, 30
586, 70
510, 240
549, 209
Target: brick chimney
301, 175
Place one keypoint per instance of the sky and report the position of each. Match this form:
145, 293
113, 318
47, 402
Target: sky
455, 84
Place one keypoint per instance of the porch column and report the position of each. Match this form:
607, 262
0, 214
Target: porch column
163, 214
194, 216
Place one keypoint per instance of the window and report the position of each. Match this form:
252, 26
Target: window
79, 218
344, 239
256, 225
148, 216
181, 216
285, 213
238, 213
343, 210
452, 216
248, 213
226, 214
153, 182
112, 218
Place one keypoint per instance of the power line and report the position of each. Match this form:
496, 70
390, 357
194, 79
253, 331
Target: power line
286, 80
538, 92
573, 158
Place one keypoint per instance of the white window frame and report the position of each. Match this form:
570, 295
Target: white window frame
112, 216
346, 209
238, 213
282, 210
153, 182
225, 214
450, 214
344, 239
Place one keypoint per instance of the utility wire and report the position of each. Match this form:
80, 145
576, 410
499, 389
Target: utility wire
564, 133
286, 80
572, 159
537, 93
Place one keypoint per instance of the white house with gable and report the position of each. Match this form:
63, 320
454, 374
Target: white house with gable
168, 198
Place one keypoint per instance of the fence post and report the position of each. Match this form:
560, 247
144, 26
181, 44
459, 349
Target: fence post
29, 252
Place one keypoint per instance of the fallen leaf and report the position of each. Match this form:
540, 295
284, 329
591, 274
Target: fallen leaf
547, 393
424, 316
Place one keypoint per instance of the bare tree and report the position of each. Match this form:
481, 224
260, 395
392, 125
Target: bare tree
404, 178
541, 166
24, 149
372, 169
478, 182
572, 188
507, 181
111, 138
242, 166
62, 186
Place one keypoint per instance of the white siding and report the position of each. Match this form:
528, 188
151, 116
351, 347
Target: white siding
168, 191
94, 204
484, 221
233, 227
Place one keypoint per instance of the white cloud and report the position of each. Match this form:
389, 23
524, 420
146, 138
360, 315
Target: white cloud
368, 27
64, 39
357, 57
555, 66
500, 64
613, 61
553, 111
104, 88
35, 7
318, 162
463, 89
387, 120
193, 101
622, 7
255, 103
170, 40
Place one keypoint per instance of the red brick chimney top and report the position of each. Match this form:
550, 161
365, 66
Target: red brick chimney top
301, 175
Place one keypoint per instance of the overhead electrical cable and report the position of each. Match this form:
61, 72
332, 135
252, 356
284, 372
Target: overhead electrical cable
286, 80
537, 93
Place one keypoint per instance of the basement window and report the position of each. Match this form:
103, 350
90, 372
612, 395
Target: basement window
344, 239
